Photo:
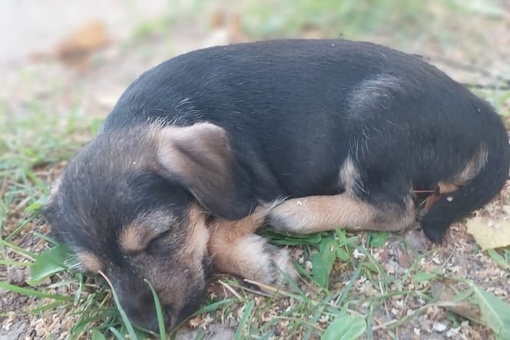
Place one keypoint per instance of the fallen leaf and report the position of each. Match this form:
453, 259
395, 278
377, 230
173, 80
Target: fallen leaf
226, 28
495, 312
48, 263
477, 305
345, 327
76, 49
489, 235
461, 305
323, 261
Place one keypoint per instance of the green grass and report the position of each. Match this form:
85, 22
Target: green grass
348, 288
270, 18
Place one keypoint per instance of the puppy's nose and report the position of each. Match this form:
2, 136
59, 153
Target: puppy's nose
153, 324
144, 319
141, 311
170, 318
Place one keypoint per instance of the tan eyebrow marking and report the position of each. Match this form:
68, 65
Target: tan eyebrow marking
131, 240
135, 236
89, 262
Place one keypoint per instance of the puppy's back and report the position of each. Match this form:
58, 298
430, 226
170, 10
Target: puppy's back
291, 100
269, 75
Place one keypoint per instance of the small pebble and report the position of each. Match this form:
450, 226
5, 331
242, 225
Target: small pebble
439, 327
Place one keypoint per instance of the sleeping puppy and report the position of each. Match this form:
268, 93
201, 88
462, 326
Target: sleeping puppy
306, 135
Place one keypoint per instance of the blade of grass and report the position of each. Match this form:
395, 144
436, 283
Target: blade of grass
52, 305
159, 311
18, 229
498, 258
32, 292
213, 307
242, 322
495, 312
117, 333
18, 250
122, 313
14, 263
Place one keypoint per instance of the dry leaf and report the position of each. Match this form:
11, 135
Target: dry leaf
226, 29
465, 307
489, 235
75, 50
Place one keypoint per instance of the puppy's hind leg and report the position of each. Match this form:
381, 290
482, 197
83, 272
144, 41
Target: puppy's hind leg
320, 213
236, 250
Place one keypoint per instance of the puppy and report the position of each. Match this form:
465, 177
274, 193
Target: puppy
308, 135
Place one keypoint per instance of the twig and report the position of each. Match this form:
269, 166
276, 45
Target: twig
230, 289
270, 288
256, 292
409, 316
20, 205
299, 320
423, 191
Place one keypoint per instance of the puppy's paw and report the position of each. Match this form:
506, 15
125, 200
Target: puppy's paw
251, 257
270, 265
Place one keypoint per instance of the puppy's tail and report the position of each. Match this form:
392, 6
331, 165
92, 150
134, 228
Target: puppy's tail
480, 190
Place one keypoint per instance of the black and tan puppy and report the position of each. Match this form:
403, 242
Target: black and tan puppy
308, 135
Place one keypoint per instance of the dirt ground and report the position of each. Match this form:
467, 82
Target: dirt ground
95, 89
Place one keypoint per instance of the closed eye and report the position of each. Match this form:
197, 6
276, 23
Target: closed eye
136, 238
157, 244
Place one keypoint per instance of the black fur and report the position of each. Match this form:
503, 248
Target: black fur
295, 109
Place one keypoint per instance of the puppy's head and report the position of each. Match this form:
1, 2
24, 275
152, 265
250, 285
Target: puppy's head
133, 205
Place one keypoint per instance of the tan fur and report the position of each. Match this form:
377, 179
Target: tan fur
198, 236
131, 239
199, 157
189, 258
236, 250
349, 177
473, 167
395, 218
89, 262
320, 213
447, 188
443, 188
178, 148
176, 279
135, 237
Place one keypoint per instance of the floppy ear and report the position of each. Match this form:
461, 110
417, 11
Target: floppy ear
199, 158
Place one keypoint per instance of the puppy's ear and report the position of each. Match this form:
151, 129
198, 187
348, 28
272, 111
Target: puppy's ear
199, 158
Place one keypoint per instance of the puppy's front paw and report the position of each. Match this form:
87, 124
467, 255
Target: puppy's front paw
270, 264
279, 265
252, 258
